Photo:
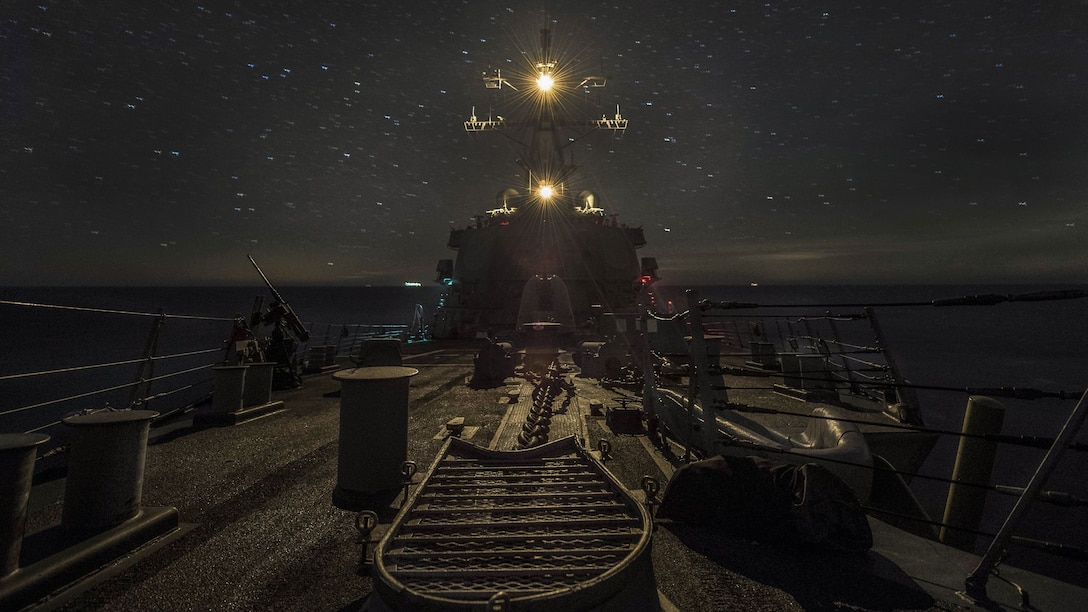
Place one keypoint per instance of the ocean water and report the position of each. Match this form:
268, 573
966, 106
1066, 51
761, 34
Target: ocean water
40, 339
1019, 344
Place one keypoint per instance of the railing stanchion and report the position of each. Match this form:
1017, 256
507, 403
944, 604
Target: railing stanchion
146, 372
975, 583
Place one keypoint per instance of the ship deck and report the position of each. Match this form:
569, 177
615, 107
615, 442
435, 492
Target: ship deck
259, 530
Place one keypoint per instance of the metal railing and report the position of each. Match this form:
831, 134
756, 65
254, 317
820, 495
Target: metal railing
168, 369
868, 370
39, 398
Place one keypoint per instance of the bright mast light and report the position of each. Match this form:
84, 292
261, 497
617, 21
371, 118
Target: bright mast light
545, 192
544, 82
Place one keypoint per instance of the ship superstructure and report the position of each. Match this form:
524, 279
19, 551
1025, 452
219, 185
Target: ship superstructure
546, 252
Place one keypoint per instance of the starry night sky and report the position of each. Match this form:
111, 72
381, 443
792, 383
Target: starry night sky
150, 143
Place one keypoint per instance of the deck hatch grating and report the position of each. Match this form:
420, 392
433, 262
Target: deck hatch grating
526, 506
503, 568
529, 527
501, 495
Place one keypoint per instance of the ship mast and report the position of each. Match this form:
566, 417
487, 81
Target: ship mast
545, 156
544, 253
542, 157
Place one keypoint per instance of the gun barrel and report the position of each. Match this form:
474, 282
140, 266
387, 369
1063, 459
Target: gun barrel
292, 319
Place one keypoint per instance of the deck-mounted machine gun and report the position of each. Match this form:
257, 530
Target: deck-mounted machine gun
287, 332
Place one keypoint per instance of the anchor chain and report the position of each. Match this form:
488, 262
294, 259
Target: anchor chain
534, 431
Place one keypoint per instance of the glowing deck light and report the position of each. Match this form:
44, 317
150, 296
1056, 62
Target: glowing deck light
545, 192
545, 82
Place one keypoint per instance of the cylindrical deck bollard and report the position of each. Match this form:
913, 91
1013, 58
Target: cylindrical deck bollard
17, 452
258, 384
974, 464
373, 433
230, 382
380, 352
105, 468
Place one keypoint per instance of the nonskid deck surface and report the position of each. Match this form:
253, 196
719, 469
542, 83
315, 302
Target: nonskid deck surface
546, 523
262, 533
